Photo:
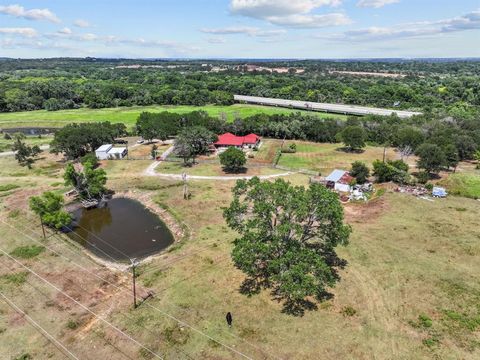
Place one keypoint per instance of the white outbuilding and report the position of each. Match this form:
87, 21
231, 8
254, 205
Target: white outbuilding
102, 151
339, 180
108, 152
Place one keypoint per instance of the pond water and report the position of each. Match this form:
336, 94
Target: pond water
122, 230
31, 130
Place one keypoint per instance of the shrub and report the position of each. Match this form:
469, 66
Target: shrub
396, 171
429, 186
431, 341
360, 172
72, 324
348, 311
27, 252
15, 278
422, 177
424, 321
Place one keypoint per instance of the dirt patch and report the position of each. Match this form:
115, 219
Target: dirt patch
369, 211
81, 288
16, 319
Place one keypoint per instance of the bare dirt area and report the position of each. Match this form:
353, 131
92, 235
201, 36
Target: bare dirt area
369, 211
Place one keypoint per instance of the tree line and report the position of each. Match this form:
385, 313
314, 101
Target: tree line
68, 84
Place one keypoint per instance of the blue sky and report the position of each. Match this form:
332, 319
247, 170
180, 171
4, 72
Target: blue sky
240, 28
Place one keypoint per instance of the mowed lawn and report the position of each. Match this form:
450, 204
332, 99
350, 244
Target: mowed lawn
129, 115
325, 157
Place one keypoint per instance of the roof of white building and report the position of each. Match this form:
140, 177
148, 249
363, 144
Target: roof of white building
104, 148
117, 150
335, 175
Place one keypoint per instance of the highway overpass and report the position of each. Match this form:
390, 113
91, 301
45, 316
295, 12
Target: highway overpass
332, 108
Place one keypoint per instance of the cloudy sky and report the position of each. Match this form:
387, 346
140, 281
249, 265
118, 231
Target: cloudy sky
240, 28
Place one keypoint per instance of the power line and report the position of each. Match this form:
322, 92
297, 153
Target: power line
221, 258
147, 304
40, 329
48, 297
157, 309
97, 276
82, 306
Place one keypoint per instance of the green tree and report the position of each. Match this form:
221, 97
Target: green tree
396, 171
288, 236
89, 183
466, 147
353, 137
360, 172
77, 140
233, 159
451, 156
476, 156
49, 207
409, 136
431, 158
24, 154
157, 125
193, 141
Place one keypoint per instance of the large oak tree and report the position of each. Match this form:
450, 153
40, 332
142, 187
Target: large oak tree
288, 236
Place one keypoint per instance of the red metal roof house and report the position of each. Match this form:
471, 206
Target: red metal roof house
228, 139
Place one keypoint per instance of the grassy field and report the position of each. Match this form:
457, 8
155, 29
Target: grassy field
410, 290
128, 115
212, 169
326, 157
465, 183
6, 145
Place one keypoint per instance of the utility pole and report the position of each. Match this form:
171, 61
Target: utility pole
134, 264
185, 186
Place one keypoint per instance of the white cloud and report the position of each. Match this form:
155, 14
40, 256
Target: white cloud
32, 14
376, 3
262, 9
25, 32
217, 40
65, 31
470, 21
81, 23
311, 21
89, 37
294, 13
250, 31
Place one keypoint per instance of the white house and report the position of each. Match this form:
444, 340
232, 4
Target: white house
339, 180
108, 152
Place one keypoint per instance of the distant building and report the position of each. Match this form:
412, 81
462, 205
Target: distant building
339, 180
228, 139
108, 152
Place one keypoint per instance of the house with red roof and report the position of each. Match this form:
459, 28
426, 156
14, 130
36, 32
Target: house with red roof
228, 139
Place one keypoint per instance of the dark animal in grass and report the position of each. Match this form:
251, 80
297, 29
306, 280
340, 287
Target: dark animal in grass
229, 319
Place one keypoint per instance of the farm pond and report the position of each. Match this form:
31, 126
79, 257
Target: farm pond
122, 229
